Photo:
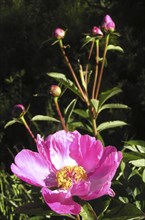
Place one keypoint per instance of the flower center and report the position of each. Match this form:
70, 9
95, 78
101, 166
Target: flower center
69, 174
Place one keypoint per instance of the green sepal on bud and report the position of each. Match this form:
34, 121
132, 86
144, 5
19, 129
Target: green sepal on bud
55, 91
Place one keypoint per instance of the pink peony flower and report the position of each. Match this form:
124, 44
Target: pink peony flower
108, 24
68, 164
59, 33
97, 31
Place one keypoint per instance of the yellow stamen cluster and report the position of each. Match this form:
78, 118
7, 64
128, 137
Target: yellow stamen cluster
69, 174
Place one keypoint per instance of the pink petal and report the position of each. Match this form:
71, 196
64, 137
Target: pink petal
103, 175
60, 201
103, 189
81, 188
86, 151
32, 168
58, 145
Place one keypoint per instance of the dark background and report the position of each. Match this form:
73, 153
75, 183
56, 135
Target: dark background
26, 56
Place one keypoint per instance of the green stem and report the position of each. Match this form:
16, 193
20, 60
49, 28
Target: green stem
94, 127
102, 67
72, 71
59, 113
87, 66
96, 71
27, 127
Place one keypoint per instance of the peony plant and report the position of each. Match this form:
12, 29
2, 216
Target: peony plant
71, 168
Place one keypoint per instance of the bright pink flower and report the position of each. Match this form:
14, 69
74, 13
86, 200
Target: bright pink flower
108, 24
68, 164
59, 33
97, 31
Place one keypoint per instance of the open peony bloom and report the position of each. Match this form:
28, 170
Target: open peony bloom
68, 164
108, 24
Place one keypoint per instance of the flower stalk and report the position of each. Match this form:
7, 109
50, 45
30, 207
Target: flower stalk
102, 66
97, 67
22, 119
84, 96
87, 66
59, 113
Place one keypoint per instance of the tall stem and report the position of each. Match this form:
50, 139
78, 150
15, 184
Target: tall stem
27, 127
72, 71
96, 71
87, 66
102, 67
59, 113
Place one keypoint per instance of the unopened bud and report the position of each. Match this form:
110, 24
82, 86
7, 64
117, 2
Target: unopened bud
108, 24
55, 91
18, 111
59, 33
97, 32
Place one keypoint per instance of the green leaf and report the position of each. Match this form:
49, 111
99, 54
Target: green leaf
82, 113
69, 110
110, 124
44, 118
87, 40
60, 77
124, 212
95, 104
143, 176
87, 212
9, 123
138, 163
135, 145
113, 105
104, 96
81, 125
113, 47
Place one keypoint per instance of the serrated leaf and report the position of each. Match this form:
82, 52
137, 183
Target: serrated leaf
95, 104
113, 105
82, 113
138, 163
9, 123
113, 47
44, 118
104, 96
60, 77
69, 110
110, 124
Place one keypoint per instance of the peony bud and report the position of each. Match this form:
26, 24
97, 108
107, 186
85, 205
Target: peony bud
108, 24
18, 111
59, 33
55, 90
97, 32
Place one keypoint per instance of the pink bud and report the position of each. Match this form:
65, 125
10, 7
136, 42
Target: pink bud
108, 24
18, 111
55, 90
97, 31
59, 33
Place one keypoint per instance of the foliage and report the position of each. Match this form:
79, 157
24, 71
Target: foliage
25, 59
